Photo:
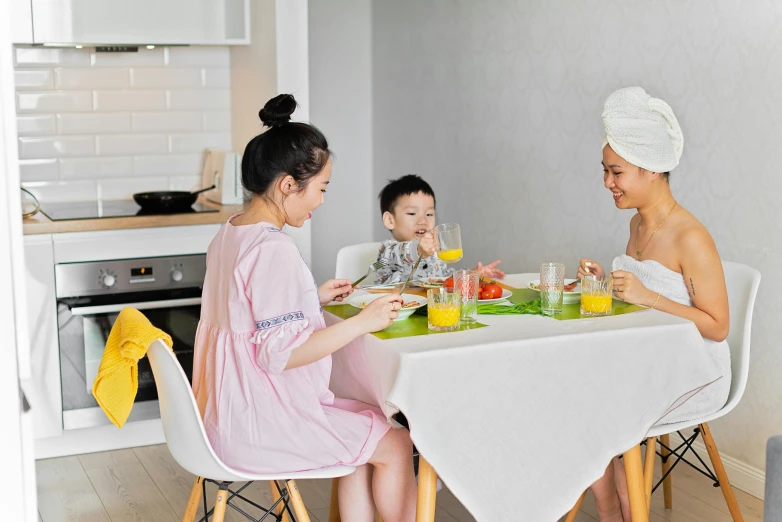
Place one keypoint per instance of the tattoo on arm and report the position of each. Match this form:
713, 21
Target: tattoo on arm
692, 285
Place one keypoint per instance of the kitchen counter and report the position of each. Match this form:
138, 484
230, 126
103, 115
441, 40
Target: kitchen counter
40, 224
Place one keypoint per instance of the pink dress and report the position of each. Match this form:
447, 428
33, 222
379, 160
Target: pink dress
260, 303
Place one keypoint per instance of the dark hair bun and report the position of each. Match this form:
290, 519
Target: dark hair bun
278, 110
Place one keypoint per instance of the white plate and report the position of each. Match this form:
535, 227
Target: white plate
429, 283
571, 297
361, 301
505, 294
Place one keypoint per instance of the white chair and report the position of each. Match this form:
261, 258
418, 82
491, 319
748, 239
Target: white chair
353, 260
742, 282
190, 447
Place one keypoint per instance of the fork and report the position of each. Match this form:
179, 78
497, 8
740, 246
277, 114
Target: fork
372, 268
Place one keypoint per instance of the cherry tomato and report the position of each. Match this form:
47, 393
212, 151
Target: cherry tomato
487, 295
448, 283
494, 289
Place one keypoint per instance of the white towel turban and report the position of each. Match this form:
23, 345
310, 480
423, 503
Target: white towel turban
642, 130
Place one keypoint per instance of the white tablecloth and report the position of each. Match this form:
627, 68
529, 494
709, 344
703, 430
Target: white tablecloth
520, 417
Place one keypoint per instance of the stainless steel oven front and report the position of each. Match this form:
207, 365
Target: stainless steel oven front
90, 295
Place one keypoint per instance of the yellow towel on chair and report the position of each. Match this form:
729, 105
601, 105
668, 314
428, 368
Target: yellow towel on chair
116, 385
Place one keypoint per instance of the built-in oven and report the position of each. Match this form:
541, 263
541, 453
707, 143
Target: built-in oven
90, 295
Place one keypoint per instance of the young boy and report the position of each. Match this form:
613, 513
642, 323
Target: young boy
407, 205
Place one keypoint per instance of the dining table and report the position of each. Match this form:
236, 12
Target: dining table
519, 414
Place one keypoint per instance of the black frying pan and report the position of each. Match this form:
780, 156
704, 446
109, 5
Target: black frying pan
168, 201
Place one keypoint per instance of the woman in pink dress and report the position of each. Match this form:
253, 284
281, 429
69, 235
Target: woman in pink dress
263, 351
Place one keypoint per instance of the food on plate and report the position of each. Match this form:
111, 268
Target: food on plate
410, 304
492, 289
570, 286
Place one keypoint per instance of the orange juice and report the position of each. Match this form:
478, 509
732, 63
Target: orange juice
450, 256
596, 304
443, 315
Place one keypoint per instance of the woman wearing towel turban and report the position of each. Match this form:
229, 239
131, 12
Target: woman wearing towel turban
671, 262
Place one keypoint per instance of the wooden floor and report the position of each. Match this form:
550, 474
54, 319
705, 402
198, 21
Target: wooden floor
145, 484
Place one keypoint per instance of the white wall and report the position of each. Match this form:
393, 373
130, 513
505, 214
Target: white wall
111, 124
341, 98
498, 105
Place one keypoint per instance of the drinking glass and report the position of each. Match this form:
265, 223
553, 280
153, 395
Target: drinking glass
552, 286
467, 283
448, 240
596, 295
443, 309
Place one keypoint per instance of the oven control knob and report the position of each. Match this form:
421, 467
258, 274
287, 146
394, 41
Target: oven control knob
108, 280
176, 275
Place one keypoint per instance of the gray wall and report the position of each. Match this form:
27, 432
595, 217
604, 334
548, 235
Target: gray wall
498, 105
341, 106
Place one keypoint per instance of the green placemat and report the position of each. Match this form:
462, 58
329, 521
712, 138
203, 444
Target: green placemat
571, 311
416, 324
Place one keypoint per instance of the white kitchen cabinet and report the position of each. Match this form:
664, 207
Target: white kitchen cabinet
137, 22
21, 21
43, 389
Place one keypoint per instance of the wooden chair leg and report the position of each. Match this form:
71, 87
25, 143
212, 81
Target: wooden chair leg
635, 484
427, 492
220, 503
334, 504
651, 453
298, 504
571, 516
722, 476
281, 507
665, 440
195, 499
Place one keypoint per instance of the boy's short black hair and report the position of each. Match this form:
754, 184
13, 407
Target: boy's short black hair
404, 186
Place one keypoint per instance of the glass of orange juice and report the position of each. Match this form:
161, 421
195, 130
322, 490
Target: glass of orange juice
443, 310
596, 295
448, 240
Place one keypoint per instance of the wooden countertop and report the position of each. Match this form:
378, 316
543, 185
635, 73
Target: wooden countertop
40, 224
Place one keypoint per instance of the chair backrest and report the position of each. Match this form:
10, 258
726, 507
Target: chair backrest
743, 282
353, 260
182, 425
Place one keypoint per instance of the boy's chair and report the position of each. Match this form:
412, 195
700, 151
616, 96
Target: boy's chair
353, 260
190, 447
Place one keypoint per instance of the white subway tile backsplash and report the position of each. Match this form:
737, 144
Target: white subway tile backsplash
32, 125
62, 191
93, 123
45, 56
217, 78
111, 124
167, 121
122, 144
217, 121
200, 99
38, 170
130, 100
189, 183
165, 78
55, 101
88, 168
147, 57
199, 142
56, 147
125, 188
34, 79
198, 56
91, 78
168, 164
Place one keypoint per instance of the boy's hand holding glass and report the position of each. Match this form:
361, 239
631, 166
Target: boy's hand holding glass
334, 290
426, 245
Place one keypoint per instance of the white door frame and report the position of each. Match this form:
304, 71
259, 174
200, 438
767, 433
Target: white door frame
18, 478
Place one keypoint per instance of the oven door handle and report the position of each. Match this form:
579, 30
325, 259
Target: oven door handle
145, 305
